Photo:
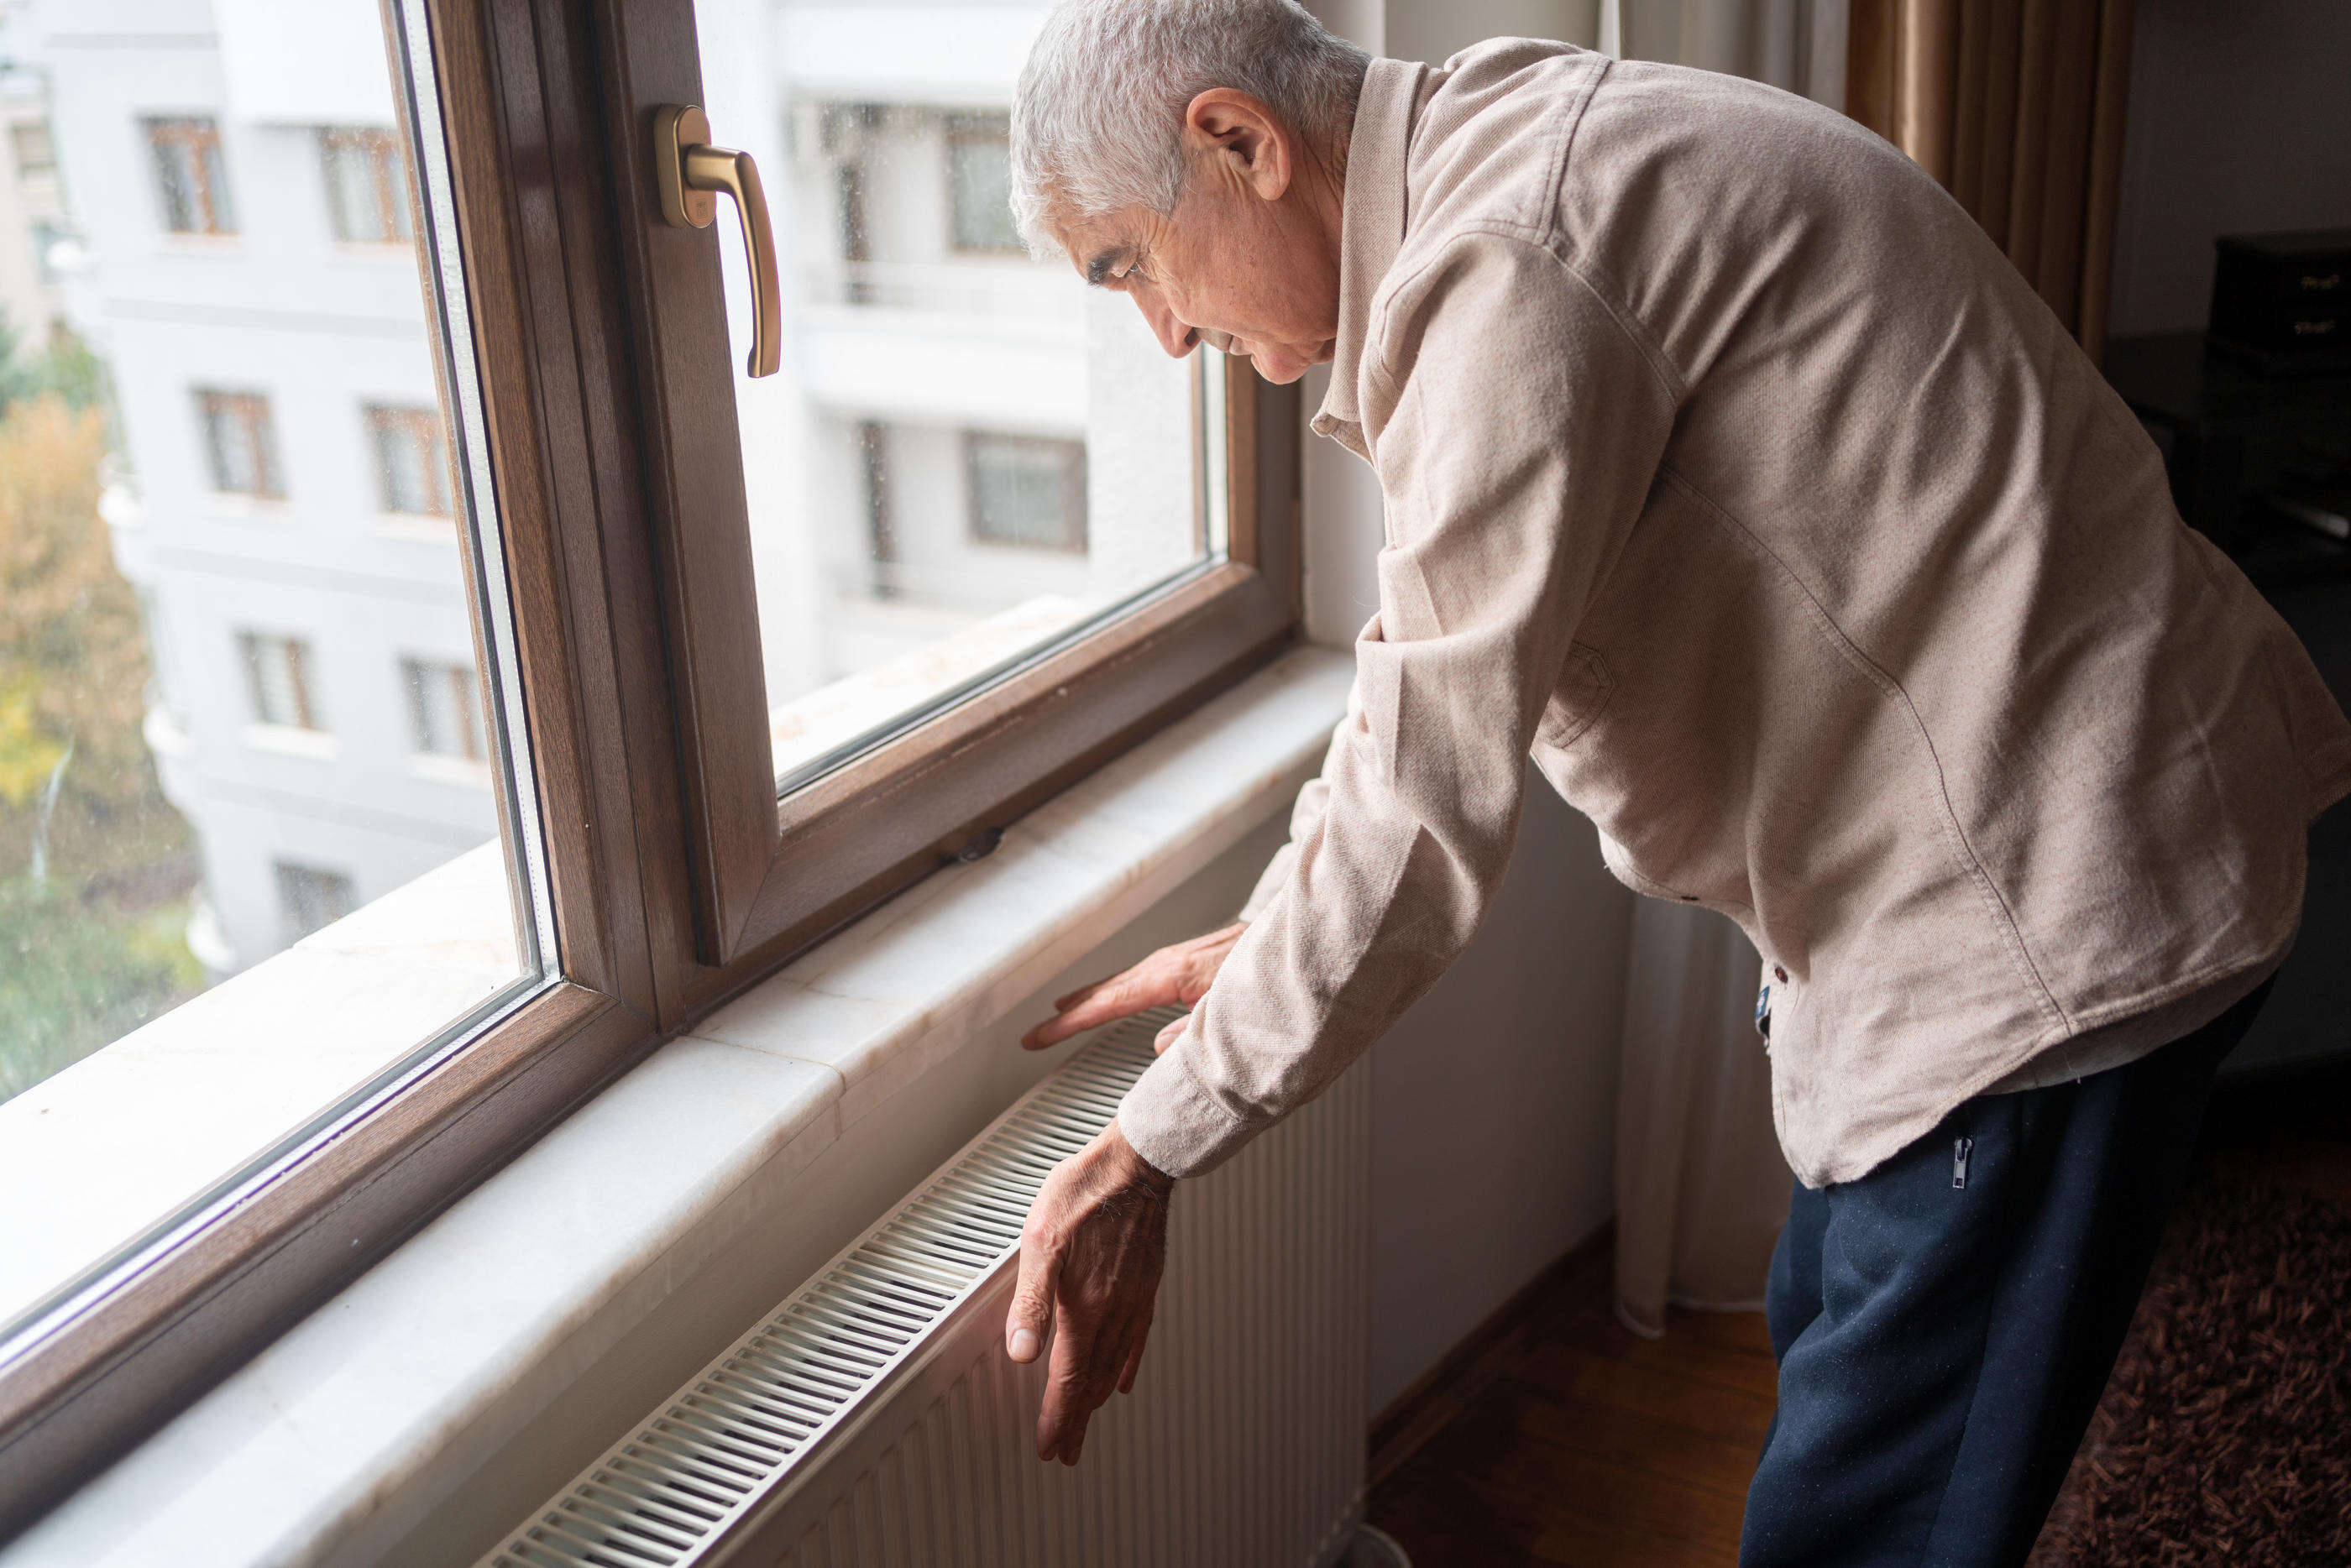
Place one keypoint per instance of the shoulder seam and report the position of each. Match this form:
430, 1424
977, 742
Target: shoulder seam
1552, 244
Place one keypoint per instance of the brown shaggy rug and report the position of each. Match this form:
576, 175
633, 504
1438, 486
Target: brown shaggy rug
2224, 1435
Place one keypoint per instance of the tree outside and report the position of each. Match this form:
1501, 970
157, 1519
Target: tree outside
97, 870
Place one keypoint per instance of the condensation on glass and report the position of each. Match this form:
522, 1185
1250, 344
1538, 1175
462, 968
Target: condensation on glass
969, 458
251, 767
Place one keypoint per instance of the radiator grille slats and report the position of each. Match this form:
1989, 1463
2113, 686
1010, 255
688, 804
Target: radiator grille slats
1252, 1452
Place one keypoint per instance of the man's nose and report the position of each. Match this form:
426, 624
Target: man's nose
1174, 336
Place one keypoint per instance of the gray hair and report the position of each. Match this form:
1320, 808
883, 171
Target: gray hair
1098, 117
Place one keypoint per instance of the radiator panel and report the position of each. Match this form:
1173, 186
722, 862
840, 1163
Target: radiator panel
874, 1421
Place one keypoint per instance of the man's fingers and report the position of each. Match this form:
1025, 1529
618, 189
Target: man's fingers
1062, 1420
1168, 1034
1032, 1298
1063, 1003
1134, 1356
1112, 1000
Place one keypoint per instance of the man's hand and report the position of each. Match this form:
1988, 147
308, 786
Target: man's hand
1091, 1256
1178, 976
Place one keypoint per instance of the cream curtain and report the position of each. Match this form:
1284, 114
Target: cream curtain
1701, 1190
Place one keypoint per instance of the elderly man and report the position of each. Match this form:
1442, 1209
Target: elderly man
1733, 472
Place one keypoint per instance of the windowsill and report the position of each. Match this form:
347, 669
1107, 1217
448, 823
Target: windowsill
363, 1419
292, 741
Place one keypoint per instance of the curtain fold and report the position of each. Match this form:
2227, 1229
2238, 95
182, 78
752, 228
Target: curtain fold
1702, 1189
2016, 108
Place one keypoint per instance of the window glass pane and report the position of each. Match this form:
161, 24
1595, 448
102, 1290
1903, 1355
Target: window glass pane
979, 184
251, 770
190, 173
967, 455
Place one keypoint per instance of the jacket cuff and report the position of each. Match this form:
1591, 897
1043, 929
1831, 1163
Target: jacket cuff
1176, 1125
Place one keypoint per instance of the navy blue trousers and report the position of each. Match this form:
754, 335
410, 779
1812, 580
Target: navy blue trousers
1942, 1346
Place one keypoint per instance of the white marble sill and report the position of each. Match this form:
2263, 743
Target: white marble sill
346, 1432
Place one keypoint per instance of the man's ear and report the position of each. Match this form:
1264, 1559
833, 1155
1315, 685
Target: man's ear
1229, 124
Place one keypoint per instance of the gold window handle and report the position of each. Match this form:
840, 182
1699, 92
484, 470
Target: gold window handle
690, 172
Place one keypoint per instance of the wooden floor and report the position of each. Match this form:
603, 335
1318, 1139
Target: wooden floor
1593, 1448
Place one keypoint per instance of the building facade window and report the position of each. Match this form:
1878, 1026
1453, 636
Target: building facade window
279, 677
311, 899
36, 151
445, 709
191, 175
240, 445
367, 186
979, 185
1027, 490
412, 459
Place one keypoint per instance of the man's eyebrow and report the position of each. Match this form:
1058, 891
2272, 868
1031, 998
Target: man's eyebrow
1098, 269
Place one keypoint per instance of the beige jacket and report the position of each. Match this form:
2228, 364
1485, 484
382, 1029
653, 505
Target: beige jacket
1734, 472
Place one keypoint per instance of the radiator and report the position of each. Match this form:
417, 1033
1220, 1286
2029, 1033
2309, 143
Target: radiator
873, 1419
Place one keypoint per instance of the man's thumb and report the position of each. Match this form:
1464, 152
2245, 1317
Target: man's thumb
1032, 1301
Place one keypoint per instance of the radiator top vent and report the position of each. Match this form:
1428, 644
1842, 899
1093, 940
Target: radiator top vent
661, 1497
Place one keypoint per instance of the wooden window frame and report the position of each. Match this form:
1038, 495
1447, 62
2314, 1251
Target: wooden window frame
192, 135
765, 878
675, 876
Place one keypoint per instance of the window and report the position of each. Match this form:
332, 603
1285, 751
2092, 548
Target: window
1027, 491
309, 900
445, 709
190, 176
240, 445
277, 676
786, 642
412, 459
979, 184
367, 186
36, 155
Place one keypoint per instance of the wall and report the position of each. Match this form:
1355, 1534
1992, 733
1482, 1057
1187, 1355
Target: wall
2239, 123
1494, 1100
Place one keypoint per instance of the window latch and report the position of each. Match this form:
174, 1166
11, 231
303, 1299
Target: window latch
689, 172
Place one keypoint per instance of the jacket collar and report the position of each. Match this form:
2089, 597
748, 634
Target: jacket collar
1371, 224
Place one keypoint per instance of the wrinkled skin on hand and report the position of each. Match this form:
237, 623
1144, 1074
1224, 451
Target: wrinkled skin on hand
1090, 1258
1096, 1240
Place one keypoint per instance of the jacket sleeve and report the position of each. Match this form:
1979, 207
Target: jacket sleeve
1517, 425
1305, 822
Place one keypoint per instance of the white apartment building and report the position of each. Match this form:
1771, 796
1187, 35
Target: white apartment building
282, 504
965, 443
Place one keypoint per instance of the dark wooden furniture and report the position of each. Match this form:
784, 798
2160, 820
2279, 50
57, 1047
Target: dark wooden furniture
2230, 435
